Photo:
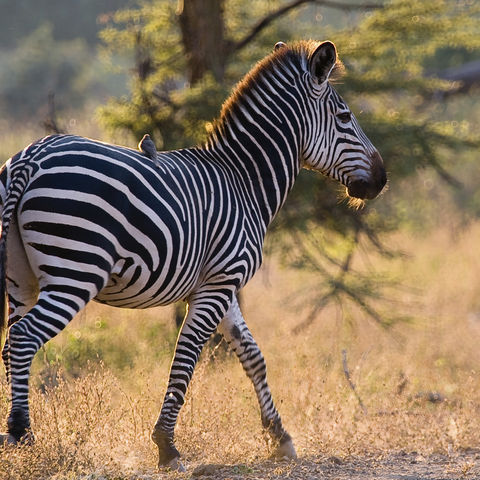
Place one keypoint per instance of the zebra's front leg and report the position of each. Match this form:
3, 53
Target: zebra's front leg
201, 321
237, 334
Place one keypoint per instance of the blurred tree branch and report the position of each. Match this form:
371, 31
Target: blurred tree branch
337, 285
207, 48
268, 19
346, 371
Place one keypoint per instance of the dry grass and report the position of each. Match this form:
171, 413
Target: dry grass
96, 421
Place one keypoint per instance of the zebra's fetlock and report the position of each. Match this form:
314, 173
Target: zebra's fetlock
166, 448
279, 438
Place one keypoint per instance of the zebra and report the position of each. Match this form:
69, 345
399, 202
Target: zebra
84, 220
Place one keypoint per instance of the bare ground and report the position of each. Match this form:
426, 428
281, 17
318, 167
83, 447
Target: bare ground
399, 466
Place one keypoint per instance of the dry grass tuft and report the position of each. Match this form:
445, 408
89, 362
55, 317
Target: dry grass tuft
419, 382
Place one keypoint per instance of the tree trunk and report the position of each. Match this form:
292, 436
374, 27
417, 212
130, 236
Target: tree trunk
203, 37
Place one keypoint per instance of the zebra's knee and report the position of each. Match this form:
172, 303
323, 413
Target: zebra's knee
17, 332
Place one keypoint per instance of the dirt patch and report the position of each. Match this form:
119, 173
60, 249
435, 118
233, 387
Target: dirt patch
400, 466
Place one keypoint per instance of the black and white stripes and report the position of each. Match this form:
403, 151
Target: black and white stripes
84, 220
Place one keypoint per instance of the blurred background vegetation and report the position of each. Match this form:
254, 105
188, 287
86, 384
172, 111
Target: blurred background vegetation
116, 69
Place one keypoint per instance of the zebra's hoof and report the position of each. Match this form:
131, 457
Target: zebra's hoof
285, 451
176, 465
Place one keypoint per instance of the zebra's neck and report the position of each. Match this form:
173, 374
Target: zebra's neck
258, 138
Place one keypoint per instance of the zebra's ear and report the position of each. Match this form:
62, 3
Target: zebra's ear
322, 61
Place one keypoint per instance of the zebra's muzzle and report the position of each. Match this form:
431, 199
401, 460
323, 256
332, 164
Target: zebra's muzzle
371, 187
361, 189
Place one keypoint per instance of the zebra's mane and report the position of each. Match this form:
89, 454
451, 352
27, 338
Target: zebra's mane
293, 57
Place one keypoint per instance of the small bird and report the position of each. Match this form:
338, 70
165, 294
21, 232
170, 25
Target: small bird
147, 147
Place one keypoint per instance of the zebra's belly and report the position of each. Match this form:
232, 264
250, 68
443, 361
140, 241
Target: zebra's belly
132, 285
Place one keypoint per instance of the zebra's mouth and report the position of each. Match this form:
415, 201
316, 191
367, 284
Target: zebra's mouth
364, 190
357, 189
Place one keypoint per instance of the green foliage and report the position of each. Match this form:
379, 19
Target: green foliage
37, 57
393, 42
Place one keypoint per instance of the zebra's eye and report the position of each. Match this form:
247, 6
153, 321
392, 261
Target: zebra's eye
344, 117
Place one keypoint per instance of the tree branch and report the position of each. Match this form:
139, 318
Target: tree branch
267, 20
338, 288
444, 175
336, 283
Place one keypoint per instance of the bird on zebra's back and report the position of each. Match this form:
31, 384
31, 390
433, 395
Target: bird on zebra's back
84, 220
147, 146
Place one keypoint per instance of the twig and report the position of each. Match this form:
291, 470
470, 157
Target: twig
349, 380
444, 175
50, 122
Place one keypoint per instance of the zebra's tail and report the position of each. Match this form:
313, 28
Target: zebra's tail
3, 293
14, 177
3, 259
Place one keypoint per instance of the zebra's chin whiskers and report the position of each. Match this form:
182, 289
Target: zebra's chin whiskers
352, 202
355, 203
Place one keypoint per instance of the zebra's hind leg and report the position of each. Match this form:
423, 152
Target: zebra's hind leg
51, 313
204, 315
22, 288
237, 334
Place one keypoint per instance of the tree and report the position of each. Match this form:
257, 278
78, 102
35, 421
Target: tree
188, 54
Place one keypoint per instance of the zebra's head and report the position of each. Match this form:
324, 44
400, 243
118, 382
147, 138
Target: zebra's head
334, 143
